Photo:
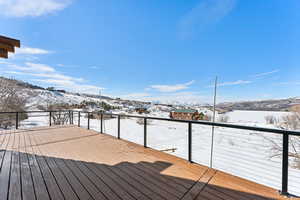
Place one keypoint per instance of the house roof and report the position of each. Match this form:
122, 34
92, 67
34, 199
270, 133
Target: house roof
184, 110
8, 45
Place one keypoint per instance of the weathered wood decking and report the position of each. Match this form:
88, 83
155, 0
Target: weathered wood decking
74, 163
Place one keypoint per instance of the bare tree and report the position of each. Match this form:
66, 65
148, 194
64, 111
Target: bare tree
140, 121
208, 117
60, 116
289, 122
270, 119
292, 121
11, 100
223, 118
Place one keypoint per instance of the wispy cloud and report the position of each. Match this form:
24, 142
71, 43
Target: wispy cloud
94, 67
71, 85
289, 83
231, 83
32, 51
136, 96
42, 73
265, 73
32, 8
172, 88
34, 67
169, 98
205, 13
57, 76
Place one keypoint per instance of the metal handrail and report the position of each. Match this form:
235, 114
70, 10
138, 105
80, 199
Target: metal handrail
285, 133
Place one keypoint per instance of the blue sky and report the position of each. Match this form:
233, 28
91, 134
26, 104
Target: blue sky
157, 50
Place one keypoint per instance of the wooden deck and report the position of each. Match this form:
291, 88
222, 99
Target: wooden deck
74, 163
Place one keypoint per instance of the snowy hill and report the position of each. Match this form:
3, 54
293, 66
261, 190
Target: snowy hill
265, 105
37, 95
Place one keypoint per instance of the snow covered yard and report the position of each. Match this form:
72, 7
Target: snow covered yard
243, 153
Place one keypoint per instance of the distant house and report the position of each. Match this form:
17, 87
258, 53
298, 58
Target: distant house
141, 110
185, 114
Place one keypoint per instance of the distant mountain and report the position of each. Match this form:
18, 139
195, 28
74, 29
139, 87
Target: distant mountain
264, 105
37, 95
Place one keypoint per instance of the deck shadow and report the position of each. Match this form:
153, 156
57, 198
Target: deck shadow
31, 176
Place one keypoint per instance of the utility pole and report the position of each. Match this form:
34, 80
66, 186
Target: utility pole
213, 120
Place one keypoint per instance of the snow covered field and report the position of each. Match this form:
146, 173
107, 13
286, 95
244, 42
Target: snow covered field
246, 154
254, 118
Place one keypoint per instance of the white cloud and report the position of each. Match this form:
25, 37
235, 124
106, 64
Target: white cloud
238, 82
31, 51
171, 88
206, 13
48, 75
135, 95
170, 98
57, 76
33, 8
71, 85
289, 83
265, 73
94, 67
36, 68
40, 67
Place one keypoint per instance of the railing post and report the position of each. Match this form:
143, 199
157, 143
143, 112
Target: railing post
50, 116
101, 125
70, 122
79, 118
17, 120
190, 141
88, 120
145, 132
285, 164
119, 119
72, 117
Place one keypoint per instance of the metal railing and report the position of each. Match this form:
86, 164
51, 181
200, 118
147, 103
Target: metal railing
71, 114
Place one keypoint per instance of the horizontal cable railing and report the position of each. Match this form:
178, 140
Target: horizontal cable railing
263, 155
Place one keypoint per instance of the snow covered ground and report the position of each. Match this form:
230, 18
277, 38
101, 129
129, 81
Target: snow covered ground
256, 118
242, 153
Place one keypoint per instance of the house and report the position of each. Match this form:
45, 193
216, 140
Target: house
141, 110
185, 114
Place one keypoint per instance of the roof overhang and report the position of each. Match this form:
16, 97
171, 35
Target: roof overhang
8, 45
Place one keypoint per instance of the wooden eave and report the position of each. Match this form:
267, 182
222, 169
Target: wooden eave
8, 45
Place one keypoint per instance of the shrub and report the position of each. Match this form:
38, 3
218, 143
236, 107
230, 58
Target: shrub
60, 116
11, 100
223, 118
140, 121
291, 122
270, 119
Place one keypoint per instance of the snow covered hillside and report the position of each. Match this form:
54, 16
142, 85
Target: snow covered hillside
46, 97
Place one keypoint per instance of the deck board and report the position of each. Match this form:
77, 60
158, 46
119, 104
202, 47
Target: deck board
28, 192
50, 182
39, 184
75, 163
87, 184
